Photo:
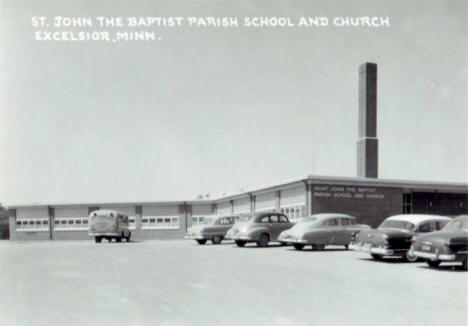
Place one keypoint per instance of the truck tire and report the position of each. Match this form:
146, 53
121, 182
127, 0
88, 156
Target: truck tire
201, 241
376, 257
97, 239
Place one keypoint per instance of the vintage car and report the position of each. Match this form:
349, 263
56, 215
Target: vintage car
448, 245
260, 228
320, 230
213, 229
393, 237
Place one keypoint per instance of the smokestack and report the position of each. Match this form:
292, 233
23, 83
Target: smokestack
367, 145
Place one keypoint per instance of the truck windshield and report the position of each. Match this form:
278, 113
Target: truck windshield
397, 224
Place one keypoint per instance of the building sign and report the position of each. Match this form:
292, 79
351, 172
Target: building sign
347, 192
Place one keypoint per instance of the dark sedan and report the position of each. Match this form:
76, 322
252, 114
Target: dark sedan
393, 237
448, 245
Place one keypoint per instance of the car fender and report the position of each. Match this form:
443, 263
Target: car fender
255, 232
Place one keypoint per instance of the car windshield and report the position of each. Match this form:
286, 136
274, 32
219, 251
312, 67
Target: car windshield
457, 224
397, 224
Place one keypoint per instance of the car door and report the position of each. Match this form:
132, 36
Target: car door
348, 228
284, 223
275, 227
333, 232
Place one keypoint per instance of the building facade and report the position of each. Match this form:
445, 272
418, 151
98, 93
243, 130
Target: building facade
370, 200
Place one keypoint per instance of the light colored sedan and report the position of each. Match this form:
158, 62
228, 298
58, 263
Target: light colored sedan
320, 230
213, 229
260, 228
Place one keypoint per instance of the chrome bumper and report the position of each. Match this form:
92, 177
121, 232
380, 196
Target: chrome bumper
375, 250
433, 256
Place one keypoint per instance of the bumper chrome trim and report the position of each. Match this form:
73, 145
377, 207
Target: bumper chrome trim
433, 256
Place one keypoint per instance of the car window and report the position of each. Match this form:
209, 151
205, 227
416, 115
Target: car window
265, 219
425, 227
274, 219
229, 220
283, 219
332, 222
345, 221
439, 225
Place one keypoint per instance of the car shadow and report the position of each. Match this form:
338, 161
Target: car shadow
389, 260
254, 246
313, 250
445, 268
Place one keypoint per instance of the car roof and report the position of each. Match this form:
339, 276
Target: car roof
417, 218
323, 216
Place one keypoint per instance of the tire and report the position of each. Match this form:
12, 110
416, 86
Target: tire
298, 246
97, 239
128, 236
109, 239
346, 247
118, 239
216, 240
465, 264
409, 258
282, 244
433, 263
319, 247
263, 240
377, 257
201, 241
240, 243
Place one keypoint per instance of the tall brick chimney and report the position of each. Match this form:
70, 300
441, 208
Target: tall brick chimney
367, 145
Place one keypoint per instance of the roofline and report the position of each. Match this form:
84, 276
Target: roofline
307, 179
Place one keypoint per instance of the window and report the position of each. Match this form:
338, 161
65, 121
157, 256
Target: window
283, 219
32, 224
294, 212
163, 222
407, 203
265, 219
332, 222
71, 224
345, 221
274, 219
425, 227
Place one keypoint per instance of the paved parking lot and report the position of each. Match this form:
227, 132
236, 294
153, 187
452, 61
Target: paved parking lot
182, 283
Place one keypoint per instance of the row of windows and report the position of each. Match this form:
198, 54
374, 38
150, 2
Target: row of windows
68, 223
32, 225
160, 222
199, 219
294, 212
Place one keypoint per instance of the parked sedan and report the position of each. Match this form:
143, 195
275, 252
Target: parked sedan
260, 228
393, 237
448, 245
213, 229
320, 230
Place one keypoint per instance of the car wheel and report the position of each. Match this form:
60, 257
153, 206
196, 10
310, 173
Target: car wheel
433, 263
298, 246
97, 239
118, 239
240, 243
282, 244
319, 247
346, 247
128, 236
201, 241
410, 258
263, 240
216, 240
376, 257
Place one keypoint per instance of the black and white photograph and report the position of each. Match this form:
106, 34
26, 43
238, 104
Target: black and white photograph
220, 162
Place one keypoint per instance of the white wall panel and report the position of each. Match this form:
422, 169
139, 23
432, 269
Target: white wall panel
293, 196
202, 210
223, 209
242, 205
32, 212
71, 211
169, 210
263, 201
127, 210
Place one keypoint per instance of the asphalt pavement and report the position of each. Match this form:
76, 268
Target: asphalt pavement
183, 283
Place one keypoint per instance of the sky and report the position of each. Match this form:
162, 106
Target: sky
216, 110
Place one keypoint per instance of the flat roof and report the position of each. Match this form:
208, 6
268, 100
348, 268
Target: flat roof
457, 187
